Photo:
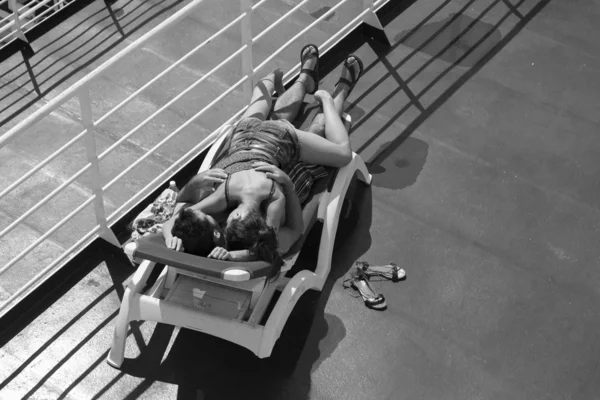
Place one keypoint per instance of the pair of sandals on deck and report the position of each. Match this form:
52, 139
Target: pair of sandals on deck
359, 281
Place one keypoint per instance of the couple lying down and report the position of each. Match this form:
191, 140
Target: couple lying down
246, 207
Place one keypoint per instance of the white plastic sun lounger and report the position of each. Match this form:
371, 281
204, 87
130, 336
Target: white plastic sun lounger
178, 297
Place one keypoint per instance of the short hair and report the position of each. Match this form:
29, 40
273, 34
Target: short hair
196, 235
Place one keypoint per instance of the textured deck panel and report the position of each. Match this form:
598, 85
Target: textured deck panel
483, 190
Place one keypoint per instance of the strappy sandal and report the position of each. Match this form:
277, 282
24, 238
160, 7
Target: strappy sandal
313, 73
390, 271
371, 298
353, 76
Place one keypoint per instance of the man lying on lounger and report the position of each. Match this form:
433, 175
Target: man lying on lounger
259, 206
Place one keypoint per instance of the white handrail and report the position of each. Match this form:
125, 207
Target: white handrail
44, 200
23, 17
176, 131
164, 107
167, 70
33, 281
80, 91
5, 19
199, 148
43, 13
302, 32
96, 73
274, 24
41, 164
32, 10
45, 235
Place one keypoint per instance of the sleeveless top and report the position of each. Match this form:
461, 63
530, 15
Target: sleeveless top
271, 193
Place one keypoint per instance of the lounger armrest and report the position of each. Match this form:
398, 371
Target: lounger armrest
152, 247
216, 148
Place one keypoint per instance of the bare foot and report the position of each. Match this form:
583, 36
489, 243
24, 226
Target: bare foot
350, 73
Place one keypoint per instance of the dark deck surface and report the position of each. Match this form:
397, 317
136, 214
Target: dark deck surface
485, 190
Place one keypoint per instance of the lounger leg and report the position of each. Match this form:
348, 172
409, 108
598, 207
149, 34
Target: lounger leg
134, 287
330, 212
363, 172
117, 350
300, 283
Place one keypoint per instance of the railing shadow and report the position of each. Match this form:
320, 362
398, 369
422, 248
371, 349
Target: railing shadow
465, 43
19, 97
119, 269
198, 364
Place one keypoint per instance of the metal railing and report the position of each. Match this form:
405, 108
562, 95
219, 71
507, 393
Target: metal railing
80, 91
23, 17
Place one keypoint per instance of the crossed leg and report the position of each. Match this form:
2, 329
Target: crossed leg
339, 97
333, 148
262, 95
331, 145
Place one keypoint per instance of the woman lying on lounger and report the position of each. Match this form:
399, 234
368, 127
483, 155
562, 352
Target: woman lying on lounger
262, 211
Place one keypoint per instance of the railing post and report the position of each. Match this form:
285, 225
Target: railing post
85, 103
57, 5
17, 20
246, 32
374, 28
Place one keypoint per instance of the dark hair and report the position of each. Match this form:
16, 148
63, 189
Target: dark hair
196, 235
253, 234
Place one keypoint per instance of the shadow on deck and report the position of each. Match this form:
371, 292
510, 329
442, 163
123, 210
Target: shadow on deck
60, 351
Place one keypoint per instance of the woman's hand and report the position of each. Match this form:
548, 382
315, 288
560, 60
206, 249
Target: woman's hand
209, 178
272, 172
220, 254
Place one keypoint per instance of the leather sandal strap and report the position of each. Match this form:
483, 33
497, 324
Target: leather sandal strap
313, 73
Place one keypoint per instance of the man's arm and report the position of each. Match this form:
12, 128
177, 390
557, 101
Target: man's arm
214, 203
220, 253
192, 192
200, 186
168, 226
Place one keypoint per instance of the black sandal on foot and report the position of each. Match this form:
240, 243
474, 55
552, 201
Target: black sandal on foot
313, 73
372, 299
354, 78
390, 271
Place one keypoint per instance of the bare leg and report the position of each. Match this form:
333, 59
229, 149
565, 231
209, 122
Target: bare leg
261, 101
334, 149
340, 94
287, 106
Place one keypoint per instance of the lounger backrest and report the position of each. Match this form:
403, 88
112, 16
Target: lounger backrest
152, 247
